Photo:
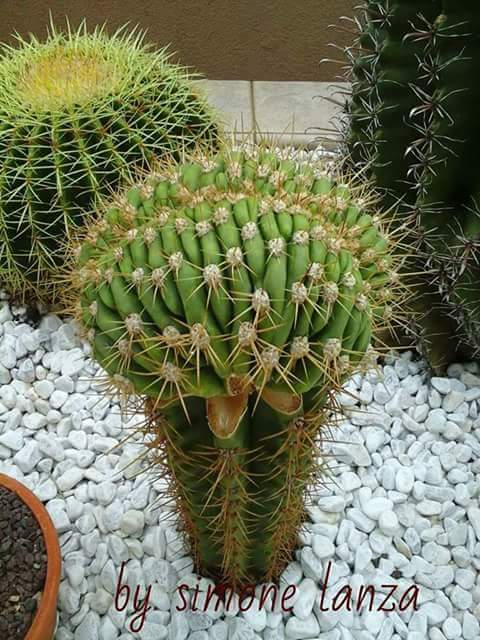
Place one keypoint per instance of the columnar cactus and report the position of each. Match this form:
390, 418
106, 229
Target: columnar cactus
414, 129
235, 295
389, 70
77, 113
448, 188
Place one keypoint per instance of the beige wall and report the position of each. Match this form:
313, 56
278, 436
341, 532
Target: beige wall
229, 39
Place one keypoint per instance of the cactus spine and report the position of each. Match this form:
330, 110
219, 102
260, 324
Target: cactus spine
77, 113
236, 294
414, 127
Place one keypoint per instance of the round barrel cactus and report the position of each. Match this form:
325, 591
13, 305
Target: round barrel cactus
235, 295
77, 113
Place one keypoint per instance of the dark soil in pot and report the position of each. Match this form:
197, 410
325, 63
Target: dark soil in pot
23, 566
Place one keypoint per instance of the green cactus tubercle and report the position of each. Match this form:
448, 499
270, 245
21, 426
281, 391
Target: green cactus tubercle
78, 112
235, 294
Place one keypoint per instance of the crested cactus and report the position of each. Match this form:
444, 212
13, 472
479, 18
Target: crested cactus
77, 113
414, 131
235, 295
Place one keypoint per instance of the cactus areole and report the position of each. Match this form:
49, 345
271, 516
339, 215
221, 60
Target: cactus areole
235, 295
77, 113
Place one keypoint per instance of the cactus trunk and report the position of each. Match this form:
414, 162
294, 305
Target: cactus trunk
241, 499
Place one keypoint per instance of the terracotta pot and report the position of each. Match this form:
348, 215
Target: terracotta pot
43, 625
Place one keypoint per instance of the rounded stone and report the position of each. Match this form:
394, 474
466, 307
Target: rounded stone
452, 629
388, 523
132, 522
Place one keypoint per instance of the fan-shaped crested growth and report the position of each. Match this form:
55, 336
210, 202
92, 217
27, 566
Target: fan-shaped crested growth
235, 271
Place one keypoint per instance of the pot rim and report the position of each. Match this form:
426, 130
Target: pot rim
48, 601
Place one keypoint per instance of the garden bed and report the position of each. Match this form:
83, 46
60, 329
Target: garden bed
401, 507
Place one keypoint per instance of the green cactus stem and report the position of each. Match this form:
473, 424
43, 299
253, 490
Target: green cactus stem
414, 130
78, 112
449, 187
395, 40
236, 294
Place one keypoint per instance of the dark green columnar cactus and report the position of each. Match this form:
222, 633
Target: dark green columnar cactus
389, 71
449, 187
77, 113
236, 294
414, 131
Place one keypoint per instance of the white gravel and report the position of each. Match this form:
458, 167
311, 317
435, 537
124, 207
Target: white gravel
402, 509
